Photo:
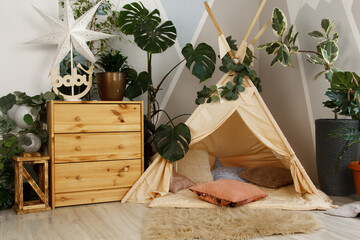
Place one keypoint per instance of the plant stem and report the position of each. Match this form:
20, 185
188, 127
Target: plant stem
184, 114
306, 51
162, 80
149, 93
170, 120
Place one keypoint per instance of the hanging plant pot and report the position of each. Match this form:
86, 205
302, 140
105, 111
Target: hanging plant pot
111, 85
355, 166
340, 182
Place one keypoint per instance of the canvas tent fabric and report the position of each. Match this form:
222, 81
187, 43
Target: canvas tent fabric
240, 133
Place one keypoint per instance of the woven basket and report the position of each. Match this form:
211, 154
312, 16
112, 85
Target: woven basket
340, 183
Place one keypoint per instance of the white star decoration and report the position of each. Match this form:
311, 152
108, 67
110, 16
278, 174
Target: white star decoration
70, 33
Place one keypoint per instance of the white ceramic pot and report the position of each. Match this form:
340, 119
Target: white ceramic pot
35, 143
19, 116
11, 112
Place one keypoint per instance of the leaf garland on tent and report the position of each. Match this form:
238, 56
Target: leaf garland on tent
232, 88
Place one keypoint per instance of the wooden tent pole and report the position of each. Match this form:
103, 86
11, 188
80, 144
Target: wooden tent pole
216, 24
254, 20
260, 32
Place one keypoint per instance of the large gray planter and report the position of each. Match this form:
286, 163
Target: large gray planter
341, 182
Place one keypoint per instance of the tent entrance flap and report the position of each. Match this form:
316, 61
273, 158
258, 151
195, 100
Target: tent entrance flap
236, 145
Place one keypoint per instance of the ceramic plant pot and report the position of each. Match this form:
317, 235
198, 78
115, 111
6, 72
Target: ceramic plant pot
111, 85
340, 182
355, 166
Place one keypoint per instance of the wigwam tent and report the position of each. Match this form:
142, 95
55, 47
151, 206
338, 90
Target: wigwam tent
240, 133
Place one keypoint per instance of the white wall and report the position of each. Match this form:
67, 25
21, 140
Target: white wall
24, 67
293, 98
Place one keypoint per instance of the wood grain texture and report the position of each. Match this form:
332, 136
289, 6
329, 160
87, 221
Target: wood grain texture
97, 146
124, 221
96, 117
77, 198
72, 177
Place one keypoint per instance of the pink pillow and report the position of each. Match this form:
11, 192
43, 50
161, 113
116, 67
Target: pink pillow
179, 182
228, 192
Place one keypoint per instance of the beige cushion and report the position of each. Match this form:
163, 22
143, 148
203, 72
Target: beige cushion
179, 182
268, 176
228, 192
195, 165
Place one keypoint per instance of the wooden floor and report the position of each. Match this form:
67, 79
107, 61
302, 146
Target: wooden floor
124, 221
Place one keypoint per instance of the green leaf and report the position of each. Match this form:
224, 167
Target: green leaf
48, 96
287, 38
273, 47
155, 40
332, 51
232, 43
213, 88
265, 45
325, 24
314, 59
137, 84
228, 85
214, 98
28, 119
284, 55
7, 102
318, 75
172, 142
343, 81
274, 61
136, 16
316, 34
325, 55
279, 23
202, 59
200, 100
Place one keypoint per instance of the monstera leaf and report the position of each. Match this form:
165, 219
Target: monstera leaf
137, 84
156, 40
149, 35
202, 59
136, 16
172, 142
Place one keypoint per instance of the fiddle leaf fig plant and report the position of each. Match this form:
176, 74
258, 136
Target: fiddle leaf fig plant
154, 37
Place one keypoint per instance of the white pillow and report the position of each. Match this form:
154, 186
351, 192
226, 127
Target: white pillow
195, 165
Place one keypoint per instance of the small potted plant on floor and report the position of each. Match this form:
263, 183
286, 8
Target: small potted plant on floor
111, 81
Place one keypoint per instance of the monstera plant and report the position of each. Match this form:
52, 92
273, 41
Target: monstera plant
154, 36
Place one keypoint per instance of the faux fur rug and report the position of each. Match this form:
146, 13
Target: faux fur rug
225, 223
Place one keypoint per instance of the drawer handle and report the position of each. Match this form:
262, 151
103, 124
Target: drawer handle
67, 177
124, 170
78, 177
77, 148
77, 119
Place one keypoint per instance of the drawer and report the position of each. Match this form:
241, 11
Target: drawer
108, 195
74, 177
69, 118
97, 146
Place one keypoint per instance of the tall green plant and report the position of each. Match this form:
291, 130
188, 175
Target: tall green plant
154, 37
325, 54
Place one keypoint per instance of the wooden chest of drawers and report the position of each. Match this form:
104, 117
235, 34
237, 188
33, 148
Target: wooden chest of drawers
96, 150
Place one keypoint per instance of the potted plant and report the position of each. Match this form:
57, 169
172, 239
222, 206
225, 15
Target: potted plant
111, 82
341, 99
